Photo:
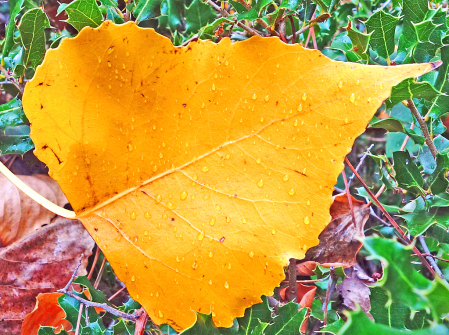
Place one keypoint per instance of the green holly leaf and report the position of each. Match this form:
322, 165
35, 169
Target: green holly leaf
71, 308
395, 126
426, 159
113, 15
50, 331
360, 41
15, 6
146, 9
32, 35
381, 26
171, 14
15, 140
288, 320
387, 312
420, 220
208, 30
408, 89
82, 13
205, 326
11, 114
260, 312
94, 328
437, 181
440, 105
327, 5
343, 43
306, 10
95, 294
414, 11
424, 29
358, 323
407, 173
333, 328
402, 282
198, 14
124, 328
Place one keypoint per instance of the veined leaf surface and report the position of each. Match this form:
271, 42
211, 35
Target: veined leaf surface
199, 170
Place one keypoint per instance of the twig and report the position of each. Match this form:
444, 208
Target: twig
260, 21
78, 321
292, 279
191, 39
273, 303
106, 307
357, 168
429, 258
312, 30
94, 263
433, 256
388, 216
11, 79
116, 293
100, 273
423, 126
373, 213
226, 14
292, 24
74, 274
141, 322
330, 290
313, 280
348, 194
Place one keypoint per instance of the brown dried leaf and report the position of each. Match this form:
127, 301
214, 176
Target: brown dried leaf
19, 214
46, 313
39, 263
354, 291
339, 242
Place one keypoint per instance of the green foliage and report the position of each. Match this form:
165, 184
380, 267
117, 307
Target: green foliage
404, 300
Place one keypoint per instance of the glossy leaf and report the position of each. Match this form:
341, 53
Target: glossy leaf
82, 13
146, 9
395, 126
288, 320
11, 114
381, 26
15, 6
182, 160
437, 180
409, 89
407, 173
32, 34
198, 14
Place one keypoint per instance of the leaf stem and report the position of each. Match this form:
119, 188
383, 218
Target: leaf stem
423, 126
292, 279
348, 194
388, 216
259, 20
11, 79
429, 258
36, 196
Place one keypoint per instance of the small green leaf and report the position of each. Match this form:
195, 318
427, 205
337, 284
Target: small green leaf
15, 7
381, 26
16, 140
202, 326
414, 11
360, 41
32, 35
437, 181
50, 331
83, 13
420, 220
124, 328
198, 14
358, 323
113, 15
71, 308
424, 29
288, 320
395, 126
11, 114
146, 9
96, 295
171, 14
260, 312
407, 173
408, 89
440, 105
333, 328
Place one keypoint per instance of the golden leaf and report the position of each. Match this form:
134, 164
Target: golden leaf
199, 170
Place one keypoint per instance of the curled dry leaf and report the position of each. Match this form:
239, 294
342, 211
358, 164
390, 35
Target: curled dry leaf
355, 293
39, 263
189, 164
339, 241
20, 215
46, 313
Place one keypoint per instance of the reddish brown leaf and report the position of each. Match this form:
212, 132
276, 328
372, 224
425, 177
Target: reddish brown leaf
304, 297
354, 291
19, 214
338, 242
39, 263
46, 313
306, 268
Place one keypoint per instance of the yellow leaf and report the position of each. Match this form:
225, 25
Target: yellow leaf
199, 170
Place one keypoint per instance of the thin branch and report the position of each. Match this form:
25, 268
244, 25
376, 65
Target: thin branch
191, 39
357, 168
100, 273
94, 263
429, 258
423, 126
348, 194
292, 24
78, 321
74, 273
260, 21
313, 280
11, 79
330, 290
226, 14
292, 279
106, 307
433, 256
117, 293
388, 216
373, 214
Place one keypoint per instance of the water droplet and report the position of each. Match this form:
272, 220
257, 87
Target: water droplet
261, 119
194, 265
251, 254
304, 97
267, 97
229, 266
226, 285
165, 216
133, 278
300, 108
205, 168
171, 206
212, 221
254, 97
210, 282
352, 98
340, 84
296, 123
133, 216
213, 87
357, 82
273, 231
291, 192
381, 86
306, 220
368, 100
161, 315
308, 202
211, 254
243, 220
258, 161
285, 178
217, 207
183, 195
177, 259
201, 236
228, 219
260, 183
158, 198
